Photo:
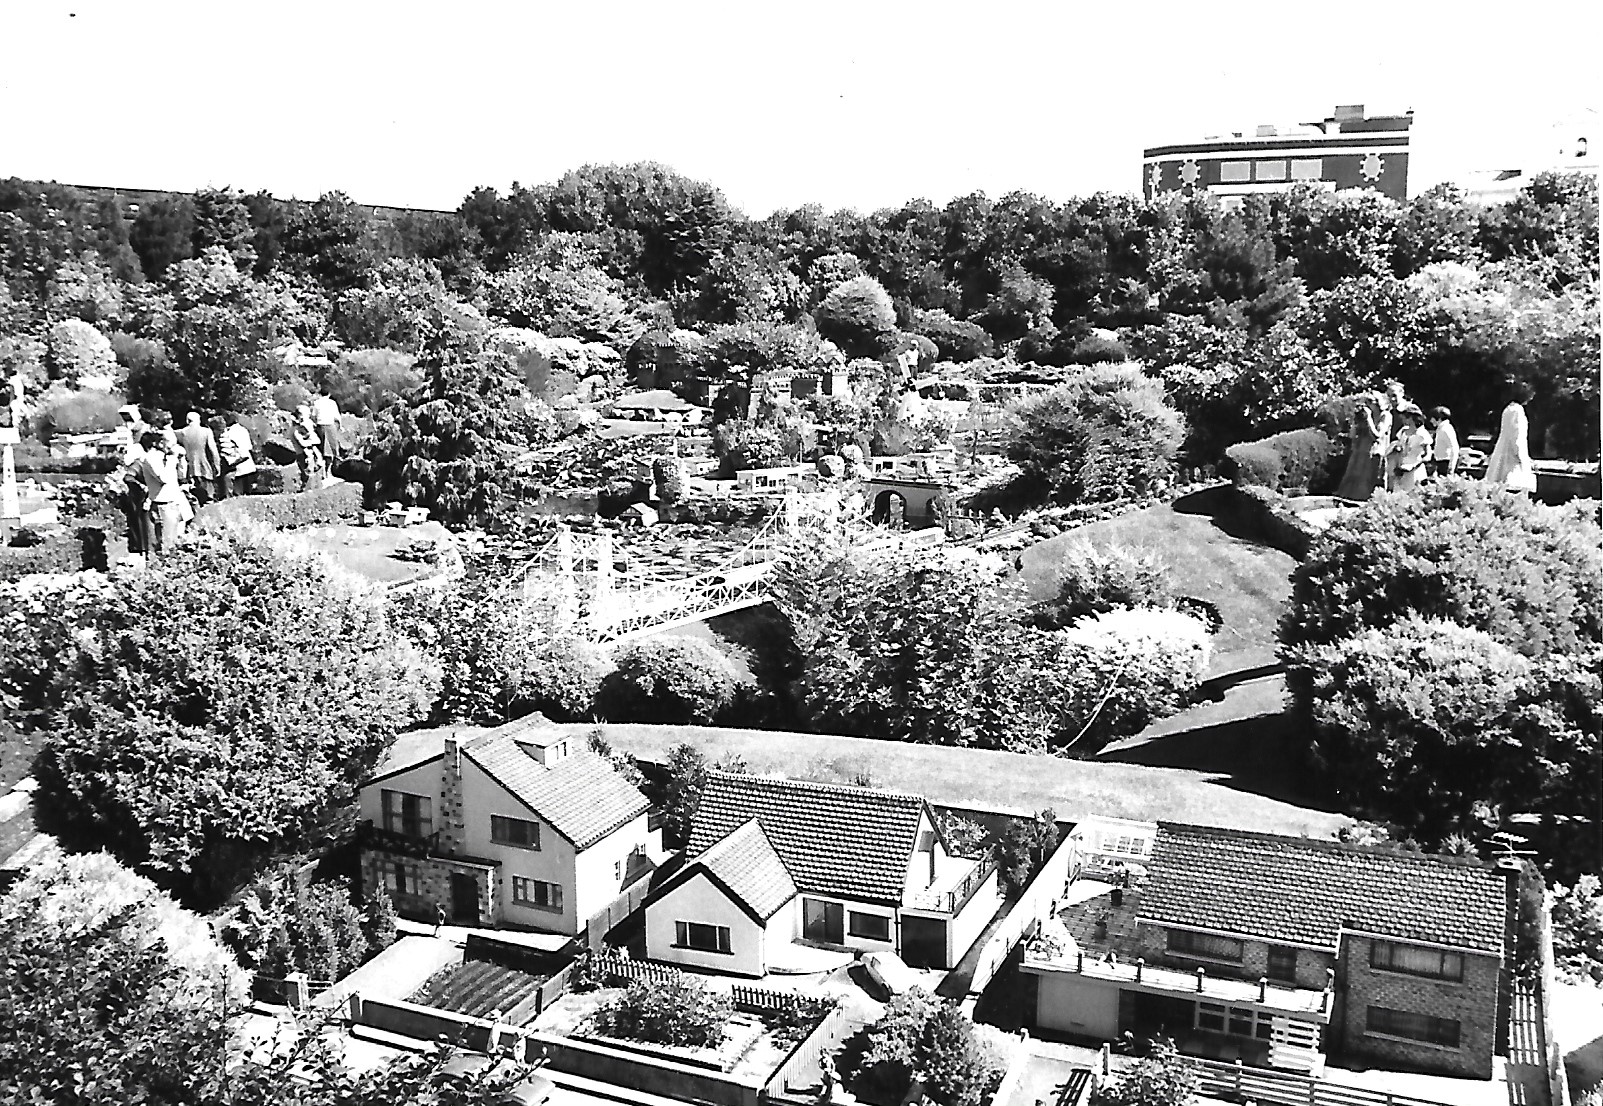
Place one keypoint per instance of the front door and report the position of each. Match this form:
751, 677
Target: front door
823, 921
464, 899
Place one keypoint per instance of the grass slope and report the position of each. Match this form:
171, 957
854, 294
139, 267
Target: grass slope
982, 778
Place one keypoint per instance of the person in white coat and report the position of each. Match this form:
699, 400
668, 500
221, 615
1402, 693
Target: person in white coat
1510, 464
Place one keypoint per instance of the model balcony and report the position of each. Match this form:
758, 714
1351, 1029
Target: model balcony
957, 880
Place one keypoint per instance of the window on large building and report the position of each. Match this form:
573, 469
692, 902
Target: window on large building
1238, 1021
1389, 956
1414, 1027
1207, 946
536, 893
518, 832
1233, 171
1282, 964
408, 814
1272, 170
402, 879
1310, 168
706, 938
870, 927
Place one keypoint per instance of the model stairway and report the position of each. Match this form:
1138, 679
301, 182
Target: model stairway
1294, 1046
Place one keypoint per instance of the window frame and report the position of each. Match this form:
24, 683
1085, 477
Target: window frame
852, 929
1235, 172
1432, 1028
392, 810
1191, 937
399, 873
684, 933
523, 886
1287, 957
498, 835
1392, 948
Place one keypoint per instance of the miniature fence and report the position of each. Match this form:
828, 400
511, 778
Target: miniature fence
1033, 905
801, 1075
1558, 1084
1241, 1081
632, 971
754, 1000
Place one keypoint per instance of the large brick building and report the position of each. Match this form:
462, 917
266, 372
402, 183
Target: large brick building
1346, 150
1279, 950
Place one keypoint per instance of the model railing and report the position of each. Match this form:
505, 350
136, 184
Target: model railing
1243, 1082
955, 898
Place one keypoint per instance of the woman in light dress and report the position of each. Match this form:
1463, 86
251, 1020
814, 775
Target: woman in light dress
1410, 451
1510, 463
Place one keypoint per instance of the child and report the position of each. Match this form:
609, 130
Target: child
1446, 462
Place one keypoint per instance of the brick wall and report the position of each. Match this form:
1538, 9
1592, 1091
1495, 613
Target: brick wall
1471, 1002
1313, 966
434, 885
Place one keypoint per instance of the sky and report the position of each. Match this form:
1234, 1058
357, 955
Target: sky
847, 104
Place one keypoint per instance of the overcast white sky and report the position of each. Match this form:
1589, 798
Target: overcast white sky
849, 104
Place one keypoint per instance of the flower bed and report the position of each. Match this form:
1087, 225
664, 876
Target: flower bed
741, 1035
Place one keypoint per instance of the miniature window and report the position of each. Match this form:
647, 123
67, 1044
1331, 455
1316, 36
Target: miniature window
1282, 964
1272, 170
1232, 171
1308, 169
1389, 956
407, 814
1211, 1016
1443, 1032
1206, 946
402, 879
517, 832
870, 927
536, 893
706, 938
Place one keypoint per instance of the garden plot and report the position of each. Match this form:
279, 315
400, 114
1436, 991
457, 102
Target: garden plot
478, 989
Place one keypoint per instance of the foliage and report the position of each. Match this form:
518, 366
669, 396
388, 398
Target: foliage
504, 656
678, 1011
963, 836
1578, 930
1023, 849
1293, 459
282, 925
1529, 575
748, 352
339, 502
857, 316
920, 1035
955, 339
79, 354
1107, 433
670, 681
211, 709
78, 412
1089, 579
366, 381
578, 301
108, 990
1120, 670
624, 763
1162, 1078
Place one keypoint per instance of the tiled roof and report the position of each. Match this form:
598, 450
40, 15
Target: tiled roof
1301, 891
746, 863
581, 795
855, 842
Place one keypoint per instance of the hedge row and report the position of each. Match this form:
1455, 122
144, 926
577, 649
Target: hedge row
321, 506
58, 552
1295, 459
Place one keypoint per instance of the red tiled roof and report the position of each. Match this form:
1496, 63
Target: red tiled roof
1302, 891
854, 842
581, 795
747, 867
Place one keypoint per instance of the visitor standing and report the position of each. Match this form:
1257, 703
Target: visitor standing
310, 458
134, 499
200, 454
1409, 451
1369, 428
326, 416
158, 471
239, 466
1444, 448
1510, 464
1393, 399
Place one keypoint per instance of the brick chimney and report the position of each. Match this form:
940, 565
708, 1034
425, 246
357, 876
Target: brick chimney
1512, 869
450, 825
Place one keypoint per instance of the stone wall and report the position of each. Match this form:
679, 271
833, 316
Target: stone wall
434, 885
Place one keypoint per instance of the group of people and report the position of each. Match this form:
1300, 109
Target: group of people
1396, 446
167, 474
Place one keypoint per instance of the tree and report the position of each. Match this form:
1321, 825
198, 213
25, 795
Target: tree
564, 301
218, 707
687, 777
1578, 930
109, 991
222, 220
1548, 234
678, 1011
1162, 1078
857, 316
1107, 433
670, 681
330, 241
955, 339
1023, 848
957, 1067
163, 234
282, 925
920, 1036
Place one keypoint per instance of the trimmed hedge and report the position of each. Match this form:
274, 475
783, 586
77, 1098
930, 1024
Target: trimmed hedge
1263, 514
56, 553
321, 506
1294, 459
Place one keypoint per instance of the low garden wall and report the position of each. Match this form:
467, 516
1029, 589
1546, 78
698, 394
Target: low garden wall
802, 1071
653, 1075
1032, 907
339, 502
424, 1023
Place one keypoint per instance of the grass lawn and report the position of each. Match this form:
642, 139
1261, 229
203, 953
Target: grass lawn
1248, 582
1074, 789
369, 551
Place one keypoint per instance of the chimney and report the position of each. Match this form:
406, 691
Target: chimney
1512, 869
450, 826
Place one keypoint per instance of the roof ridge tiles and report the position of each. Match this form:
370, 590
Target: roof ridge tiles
828, 788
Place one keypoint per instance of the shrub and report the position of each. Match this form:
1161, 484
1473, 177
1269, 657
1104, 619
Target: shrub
80, 412
1107, 433
1093, 580
366, 381
1529, 575
955, 339
1162, 1078
857, 316
1120, 670
920, 1034
1578, 930
1096, 349
680, 1011
1295, 459
55, 553
319, 507
281, 925
1266, 518
668, 680
1023, 848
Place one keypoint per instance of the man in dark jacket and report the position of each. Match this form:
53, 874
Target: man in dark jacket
205, 465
